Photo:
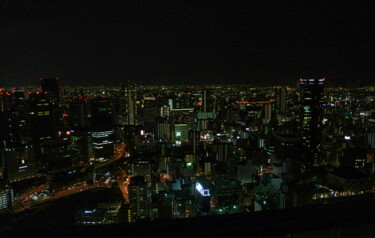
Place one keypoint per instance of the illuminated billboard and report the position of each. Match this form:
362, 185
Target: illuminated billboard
201, 190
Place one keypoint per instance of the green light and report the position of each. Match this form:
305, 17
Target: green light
188, 164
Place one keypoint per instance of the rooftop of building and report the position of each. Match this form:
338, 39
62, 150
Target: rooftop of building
348, 218
347, 172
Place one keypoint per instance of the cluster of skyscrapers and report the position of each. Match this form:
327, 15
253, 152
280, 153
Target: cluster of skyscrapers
189, 150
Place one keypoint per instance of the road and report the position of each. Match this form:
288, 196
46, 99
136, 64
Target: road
123, 183
25, 202
32, 193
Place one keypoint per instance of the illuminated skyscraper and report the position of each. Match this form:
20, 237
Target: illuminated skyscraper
311, 95
102, 143
129, 107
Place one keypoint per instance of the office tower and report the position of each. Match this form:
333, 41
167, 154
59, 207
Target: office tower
19, 96
50, 87
8, 123
56, 154
16, 153
6, 195
80, 137
81, 146
142, 167
208, 104
138, 198
102, 129
129, 91
19, 161
149, 112
311, 95
44, 116
41, 125
164, 131
102, 144
79, 114
245, 171
267, 112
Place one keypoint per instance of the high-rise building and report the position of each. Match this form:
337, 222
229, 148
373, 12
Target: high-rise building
19, 96
267, 112
6, 195
19, 161
50, 87
245, 171
102, 143
43, 122
129, 92
148, 112
56, 154
81, 146
138, 198
311, 95
164, 131
79, 114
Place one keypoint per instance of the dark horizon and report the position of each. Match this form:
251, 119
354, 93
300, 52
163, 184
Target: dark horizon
246, 42
292, 84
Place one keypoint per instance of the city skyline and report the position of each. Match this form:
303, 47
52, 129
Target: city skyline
187, 119
81, 157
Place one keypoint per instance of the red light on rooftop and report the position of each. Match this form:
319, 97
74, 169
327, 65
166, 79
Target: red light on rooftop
324, 79
68, 133
37, 92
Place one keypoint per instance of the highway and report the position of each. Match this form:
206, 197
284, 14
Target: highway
26, 201
123, 183
119, 153
27, 204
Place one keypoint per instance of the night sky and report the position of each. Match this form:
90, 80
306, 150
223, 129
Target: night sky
192, 42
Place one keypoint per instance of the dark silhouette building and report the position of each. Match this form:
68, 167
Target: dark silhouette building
311, 95
50, 85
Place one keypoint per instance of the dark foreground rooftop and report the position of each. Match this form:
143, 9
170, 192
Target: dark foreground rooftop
349, 218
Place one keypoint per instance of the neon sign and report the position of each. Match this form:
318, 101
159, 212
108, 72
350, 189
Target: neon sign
203, 192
